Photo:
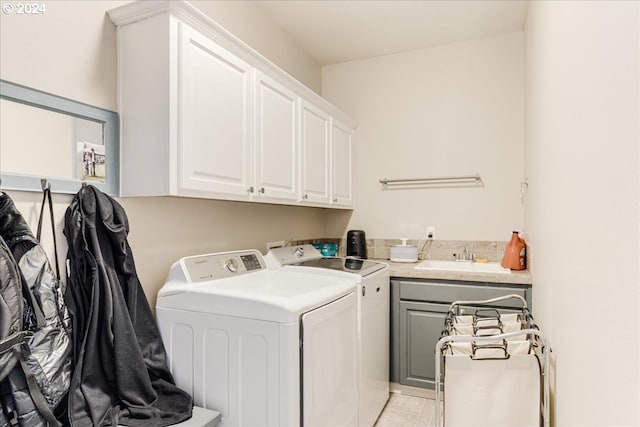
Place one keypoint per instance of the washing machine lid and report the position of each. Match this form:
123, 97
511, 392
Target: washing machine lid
362, 267
206, 283
308, 256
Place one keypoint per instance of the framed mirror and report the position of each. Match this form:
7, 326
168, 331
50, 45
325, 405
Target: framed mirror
45, 136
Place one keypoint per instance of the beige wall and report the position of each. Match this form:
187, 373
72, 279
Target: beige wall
50, 136
71, 51
455, 109
582, 209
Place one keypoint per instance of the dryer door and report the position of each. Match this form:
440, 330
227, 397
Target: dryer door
329, 365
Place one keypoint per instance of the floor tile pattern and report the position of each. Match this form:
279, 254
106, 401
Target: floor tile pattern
407, 411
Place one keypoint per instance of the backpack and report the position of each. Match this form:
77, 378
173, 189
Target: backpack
35, 341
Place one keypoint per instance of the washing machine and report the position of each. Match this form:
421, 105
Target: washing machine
373, 308
264, 347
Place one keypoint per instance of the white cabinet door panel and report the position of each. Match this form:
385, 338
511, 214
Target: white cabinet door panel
275, 147
341, 164
214, 116
314, 129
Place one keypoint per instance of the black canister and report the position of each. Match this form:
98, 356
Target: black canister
356, 244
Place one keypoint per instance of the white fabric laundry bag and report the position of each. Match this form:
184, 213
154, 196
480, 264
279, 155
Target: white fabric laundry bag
492, 387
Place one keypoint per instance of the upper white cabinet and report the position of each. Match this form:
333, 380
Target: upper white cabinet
341, 164
315, 150
276, 142
204, 115
214, 140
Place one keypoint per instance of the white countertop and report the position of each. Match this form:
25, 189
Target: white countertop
407, 270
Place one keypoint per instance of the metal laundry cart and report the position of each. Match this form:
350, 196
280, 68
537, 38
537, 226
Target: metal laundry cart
495, 368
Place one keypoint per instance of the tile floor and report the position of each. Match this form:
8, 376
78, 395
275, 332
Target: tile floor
407, 411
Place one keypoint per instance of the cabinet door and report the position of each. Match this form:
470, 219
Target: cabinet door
275, 149
420, 327
340, 164
214, 118
314, 139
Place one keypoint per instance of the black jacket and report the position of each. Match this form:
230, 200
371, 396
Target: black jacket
121, 374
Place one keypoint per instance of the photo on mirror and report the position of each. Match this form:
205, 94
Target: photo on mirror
91, 162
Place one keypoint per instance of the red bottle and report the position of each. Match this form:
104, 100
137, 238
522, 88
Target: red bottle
514, 254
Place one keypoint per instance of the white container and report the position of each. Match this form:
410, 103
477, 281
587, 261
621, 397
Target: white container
404, 252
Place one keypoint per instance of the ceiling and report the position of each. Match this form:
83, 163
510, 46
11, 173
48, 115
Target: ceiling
333, 31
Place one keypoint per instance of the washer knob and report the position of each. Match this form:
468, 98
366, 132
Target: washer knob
299, 252
231, 265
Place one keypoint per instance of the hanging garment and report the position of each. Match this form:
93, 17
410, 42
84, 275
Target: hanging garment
11, 309
36, 348
120, 374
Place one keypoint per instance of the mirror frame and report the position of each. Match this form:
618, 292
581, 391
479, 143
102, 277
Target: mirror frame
39, 99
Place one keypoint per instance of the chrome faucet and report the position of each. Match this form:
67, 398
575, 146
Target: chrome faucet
464, 256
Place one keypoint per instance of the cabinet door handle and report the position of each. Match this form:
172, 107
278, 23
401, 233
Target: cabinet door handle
335, 200
250, 190
378, 289
305, 197
262, 190
364, 290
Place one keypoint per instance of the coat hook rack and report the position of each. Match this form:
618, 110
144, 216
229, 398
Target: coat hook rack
46, 185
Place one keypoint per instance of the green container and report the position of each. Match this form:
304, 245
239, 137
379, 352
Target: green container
327, 249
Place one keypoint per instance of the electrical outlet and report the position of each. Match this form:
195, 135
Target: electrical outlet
274, 245
431, 232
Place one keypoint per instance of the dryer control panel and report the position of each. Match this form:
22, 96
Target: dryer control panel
222, 265
294, 254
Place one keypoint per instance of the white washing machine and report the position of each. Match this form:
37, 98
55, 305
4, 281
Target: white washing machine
373, 295
263, 347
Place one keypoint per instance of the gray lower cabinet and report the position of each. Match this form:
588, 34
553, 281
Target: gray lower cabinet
418, 309
420, 325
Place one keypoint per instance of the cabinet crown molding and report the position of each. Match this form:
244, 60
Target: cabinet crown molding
183, 10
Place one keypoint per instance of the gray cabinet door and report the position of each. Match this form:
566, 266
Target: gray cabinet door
420, 327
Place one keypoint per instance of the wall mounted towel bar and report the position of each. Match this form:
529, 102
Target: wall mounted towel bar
449, 180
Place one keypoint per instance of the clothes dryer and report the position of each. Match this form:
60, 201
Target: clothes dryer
373, 308
263, 347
